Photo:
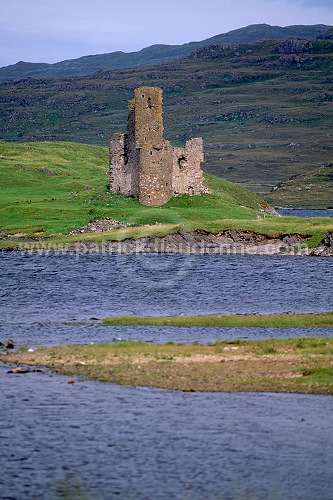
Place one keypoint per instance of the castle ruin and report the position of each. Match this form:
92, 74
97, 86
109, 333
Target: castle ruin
144, 165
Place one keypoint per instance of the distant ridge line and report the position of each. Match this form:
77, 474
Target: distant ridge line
155, 54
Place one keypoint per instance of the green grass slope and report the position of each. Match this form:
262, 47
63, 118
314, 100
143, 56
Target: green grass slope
264, 115
44, 185
50, 187
311, 190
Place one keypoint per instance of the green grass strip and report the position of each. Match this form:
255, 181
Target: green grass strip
228, 320
295, 365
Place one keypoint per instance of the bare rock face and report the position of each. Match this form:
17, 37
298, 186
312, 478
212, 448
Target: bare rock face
328, 239
144, 164
325, 249
293, 46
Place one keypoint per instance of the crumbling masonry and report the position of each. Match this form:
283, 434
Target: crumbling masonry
145, 165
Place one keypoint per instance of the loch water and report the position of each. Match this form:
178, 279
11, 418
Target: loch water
144, 443
303, 212
76, 287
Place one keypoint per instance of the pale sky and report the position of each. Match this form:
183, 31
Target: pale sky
55, 30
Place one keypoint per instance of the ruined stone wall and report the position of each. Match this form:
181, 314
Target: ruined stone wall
187, 174
143, 164
120, 181
132, 153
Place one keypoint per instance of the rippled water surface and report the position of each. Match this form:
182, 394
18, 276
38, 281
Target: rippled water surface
302, 212
67, 287
149, 444
40, 334
136, 443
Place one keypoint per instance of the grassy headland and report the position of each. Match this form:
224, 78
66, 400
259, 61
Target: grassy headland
301, 365
50, 188
311, 190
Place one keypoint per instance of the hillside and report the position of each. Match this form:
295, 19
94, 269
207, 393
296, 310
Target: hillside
50, 188
155, 54
264, 109
311, 190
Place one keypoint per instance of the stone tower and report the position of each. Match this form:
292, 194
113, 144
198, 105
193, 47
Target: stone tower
145, 165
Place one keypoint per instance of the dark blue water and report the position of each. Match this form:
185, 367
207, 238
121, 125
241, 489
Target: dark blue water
149, 444
136, 443
40, 334
40, 288
302, 212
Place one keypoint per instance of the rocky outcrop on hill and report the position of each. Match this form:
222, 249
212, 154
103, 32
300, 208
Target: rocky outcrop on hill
293, 46
99, 226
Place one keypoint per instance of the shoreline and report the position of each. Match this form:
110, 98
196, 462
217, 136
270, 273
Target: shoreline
298, 365
196, 242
